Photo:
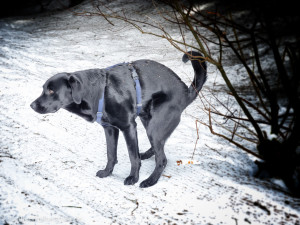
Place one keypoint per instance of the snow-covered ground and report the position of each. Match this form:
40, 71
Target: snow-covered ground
50, 176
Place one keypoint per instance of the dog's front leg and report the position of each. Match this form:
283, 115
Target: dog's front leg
130, 135
112, 136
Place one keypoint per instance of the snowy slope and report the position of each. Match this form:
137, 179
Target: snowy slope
50, 176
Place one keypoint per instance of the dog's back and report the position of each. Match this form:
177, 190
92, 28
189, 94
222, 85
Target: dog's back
157, 79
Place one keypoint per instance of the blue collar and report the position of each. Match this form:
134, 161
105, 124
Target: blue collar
135, 77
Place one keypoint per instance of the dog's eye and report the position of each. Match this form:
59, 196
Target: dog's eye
51, 92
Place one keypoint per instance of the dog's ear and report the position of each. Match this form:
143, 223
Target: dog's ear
77, 89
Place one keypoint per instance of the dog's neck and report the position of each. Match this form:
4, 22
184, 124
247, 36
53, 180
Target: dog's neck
88, 107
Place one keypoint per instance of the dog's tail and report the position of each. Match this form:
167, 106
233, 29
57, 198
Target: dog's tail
199, 66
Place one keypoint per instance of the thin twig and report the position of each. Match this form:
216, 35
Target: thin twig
196, 122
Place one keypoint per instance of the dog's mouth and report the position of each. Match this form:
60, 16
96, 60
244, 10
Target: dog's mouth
41, 109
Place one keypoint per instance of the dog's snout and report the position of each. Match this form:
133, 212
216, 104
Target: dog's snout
36, 106
33, 105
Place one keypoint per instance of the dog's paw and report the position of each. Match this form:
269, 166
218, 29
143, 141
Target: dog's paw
131, 180
148, 183
103, 173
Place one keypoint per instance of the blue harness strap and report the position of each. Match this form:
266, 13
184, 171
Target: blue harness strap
138, 89
100, 111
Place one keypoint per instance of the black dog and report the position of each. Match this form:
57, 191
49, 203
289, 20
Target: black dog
164, 97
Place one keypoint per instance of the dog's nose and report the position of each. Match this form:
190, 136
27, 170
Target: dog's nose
33, 105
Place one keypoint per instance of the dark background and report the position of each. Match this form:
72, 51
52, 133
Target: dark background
29, 7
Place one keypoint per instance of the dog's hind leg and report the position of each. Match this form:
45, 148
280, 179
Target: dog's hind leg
150, 152
163, 122
130, 135
112, 136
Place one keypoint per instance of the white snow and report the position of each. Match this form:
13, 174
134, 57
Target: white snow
51, 177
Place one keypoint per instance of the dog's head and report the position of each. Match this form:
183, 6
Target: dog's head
59, 91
